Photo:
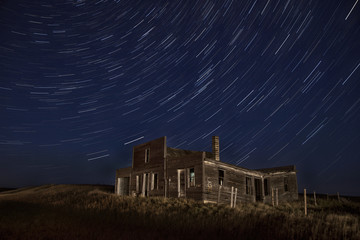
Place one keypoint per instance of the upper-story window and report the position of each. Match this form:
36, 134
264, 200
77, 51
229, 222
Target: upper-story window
221, 177
147, 155
248, 185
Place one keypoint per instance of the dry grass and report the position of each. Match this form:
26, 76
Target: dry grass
93, 212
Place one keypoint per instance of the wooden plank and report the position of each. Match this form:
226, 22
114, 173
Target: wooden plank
305, 204
219, 194
235, 197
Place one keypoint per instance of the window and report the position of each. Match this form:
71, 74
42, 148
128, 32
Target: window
286, 186
192, 177
147, 155
221, 177
154, 181
266, 186
137, 183
248, 185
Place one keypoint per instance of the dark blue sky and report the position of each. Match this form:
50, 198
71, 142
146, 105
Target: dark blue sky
81, 82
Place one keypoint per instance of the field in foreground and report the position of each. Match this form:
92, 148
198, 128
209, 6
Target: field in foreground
94, 212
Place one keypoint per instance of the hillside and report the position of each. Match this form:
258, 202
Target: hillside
94, 212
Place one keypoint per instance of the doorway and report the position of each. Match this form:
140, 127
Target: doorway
145, 185
258, 189
181, 183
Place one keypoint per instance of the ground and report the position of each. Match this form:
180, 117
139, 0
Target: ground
94, 212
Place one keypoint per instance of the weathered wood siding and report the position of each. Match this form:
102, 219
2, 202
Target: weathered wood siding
233, 177
277, 181
166, 163
121, 173
186, 162
236, 177
155, 164
157, 155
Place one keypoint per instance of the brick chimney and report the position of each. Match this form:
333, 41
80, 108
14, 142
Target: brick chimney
215, 148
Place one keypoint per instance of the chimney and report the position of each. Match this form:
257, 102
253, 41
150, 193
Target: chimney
215, 148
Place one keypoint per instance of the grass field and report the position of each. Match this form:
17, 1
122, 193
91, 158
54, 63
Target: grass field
94, 212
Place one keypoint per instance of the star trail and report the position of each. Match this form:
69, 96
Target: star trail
81, 82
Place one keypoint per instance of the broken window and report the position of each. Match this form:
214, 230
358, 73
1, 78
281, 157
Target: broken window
266, 186
221, 177
147, 155
154, 181
248, 185
192, 177
286, 186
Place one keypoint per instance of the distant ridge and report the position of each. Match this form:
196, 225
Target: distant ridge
6, 189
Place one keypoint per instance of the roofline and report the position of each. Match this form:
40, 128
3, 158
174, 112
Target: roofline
233, 166
257, 171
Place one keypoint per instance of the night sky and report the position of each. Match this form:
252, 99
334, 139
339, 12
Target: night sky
82, 82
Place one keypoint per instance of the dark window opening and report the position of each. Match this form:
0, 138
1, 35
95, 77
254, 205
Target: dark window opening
221, 177
155, 183
266, 187
248, 186
286, 186
147, 155
146, 185
192, 177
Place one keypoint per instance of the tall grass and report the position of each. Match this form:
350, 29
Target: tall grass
93, 212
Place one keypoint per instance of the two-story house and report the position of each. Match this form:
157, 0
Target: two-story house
158, 170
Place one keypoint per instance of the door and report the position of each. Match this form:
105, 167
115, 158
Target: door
145, 185
181, 183
258, 189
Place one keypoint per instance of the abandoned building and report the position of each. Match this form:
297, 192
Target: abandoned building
158, 170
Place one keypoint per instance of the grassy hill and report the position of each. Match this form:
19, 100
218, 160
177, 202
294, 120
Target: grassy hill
6, 189
94, 212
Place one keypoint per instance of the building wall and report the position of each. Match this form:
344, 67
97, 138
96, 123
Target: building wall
122, 173
166, 163
156, 157
236, 177
233, 177
154, 165
277, 181
185, 163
